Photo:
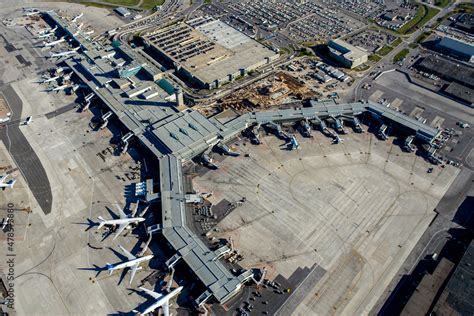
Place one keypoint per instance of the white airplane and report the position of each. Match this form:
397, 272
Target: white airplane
66, 53
28, 120
123, 222
46, 33
132, 263
5, 223
50, 79
57, 89
4, 184
160, 301
31, 11
80, 26
77, 17
62, 39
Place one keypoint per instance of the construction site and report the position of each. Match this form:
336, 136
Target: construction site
276, 89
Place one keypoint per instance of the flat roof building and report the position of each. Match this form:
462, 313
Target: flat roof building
122, 11
208, 51
461, 93
348, 55
448, 70
456, 48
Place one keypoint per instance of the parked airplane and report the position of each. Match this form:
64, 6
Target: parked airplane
31, 11
160, 301
5, 223
226, 150
77, 17
305, 128
336, 139
66, 53
48, 31
57, 89
4, 184
50, 79
123, 222
28, 120
45, 35
255, 135
208, 161
46, 44
293, 143
132, 263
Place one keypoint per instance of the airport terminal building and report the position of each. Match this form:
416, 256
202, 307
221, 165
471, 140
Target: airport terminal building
126, 85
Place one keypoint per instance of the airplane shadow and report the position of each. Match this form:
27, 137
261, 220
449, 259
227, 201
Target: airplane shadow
89, 224
95, 268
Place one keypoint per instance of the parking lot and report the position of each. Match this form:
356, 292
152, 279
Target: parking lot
371, 40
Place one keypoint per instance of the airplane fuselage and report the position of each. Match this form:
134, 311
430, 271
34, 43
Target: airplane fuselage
54, 42
121, 221
130, 263
161, 301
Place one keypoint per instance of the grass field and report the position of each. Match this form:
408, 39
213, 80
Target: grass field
442, 3
146, 4
422, 37
150, 4
423, 15
122, 2
384, 50
401, 55
374, 58
396, 42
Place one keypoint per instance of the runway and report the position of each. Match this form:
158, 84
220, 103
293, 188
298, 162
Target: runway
23, 154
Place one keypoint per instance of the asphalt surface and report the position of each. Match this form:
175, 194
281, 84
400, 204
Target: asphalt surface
435, 237
61, 110
23, 154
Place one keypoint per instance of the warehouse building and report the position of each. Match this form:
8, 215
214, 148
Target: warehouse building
447, 70
122, 11
456, 48
461, 93
347, 54
207, 51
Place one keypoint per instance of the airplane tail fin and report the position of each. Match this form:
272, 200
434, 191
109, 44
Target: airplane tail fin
101, 222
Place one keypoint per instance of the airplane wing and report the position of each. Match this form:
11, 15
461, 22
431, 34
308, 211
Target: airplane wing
120, 230
3, 179
121, 213
127, 253
135, 210
134, 270
166, 308
151, 293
